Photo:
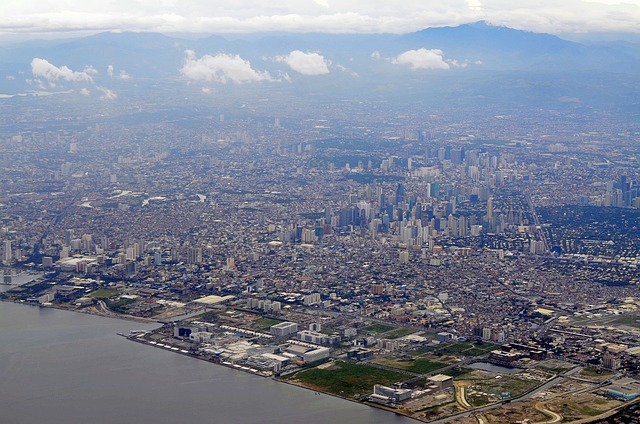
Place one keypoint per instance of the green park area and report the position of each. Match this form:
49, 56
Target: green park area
103, 294
346, 379
266, 323
415, 365
378, 328
389, 331
465, 348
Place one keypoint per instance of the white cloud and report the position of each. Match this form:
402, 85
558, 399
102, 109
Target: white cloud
456, 64
306, 63
422, 59
110, 70
375, 55
222, 68
124, 75
41, 68
344, 16
85, 92
474, 4
347, 70
107, 94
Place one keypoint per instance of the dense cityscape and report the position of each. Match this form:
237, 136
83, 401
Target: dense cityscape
432, 249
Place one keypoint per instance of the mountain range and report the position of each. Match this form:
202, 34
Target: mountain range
476, 58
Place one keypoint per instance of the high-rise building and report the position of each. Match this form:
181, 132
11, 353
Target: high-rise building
610, 361
6, 257
194, 255
404, 257
231, 263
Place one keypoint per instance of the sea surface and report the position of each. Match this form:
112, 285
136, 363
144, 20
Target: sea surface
65, 367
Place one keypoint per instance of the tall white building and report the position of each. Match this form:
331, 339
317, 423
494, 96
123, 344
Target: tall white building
7, 252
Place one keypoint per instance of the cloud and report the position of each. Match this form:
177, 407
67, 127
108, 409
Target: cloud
41, 68
222, 68
343, 16
123, 75
85, 92
306, 63
347, 70
375, 55
455, 64
422, 59
107, 94
474, 5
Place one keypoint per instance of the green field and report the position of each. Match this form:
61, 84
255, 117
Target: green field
103, 294
418, 366
267, 322
466, 348
389, 331
630, 320
420, 352
594, 374
457, 372
399, 332
119, 305
378, 328
346, 379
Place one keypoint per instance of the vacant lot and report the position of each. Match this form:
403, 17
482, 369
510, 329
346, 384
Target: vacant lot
346, 379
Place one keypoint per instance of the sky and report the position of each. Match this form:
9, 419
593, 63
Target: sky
49, 18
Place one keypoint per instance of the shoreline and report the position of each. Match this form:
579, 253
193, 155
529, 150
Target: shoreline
137, 338
141, 340
132, 318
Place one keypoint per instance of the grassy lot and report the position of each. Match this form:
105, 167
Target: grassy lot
103, 294
458, 372
484, 391
466, 348
378, 328
554, 366
419, 366
631, 320
118, 305
420, 352
399, 332
267, 322
594, 374
346, 379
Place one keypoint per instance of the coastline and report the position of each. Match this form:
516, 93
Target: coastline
138, 339
141, 320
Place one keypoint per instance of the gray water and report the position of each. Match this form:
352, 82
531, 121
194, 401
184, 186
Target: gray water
64, 367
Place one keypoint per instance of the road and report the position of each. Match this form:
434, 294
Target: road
453, 418
461, 397
555, 418
536, 220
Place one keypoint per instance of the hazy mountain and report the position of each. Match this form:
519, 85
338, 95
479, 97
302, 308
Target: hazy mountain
474, 61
